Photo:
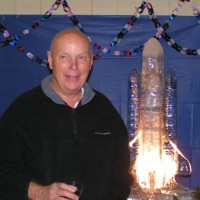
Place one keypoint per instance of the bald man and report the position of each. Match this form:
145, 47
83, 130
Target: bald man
64, 130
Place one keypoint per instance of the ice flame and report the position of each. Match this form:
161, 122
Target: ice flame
154, 168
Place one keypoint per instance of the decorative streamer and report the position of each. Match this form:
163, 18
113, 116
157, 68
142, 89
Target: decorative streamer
13, 40
6, 34
161, 31
122, 33
72, 17
195, 12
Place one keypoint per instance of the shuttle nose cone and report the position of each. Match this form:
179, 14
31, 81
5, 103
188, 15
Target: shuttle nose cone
152, 48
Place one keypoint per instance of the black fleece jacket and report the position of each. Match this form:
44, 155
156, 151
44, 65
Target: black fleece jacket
46, 142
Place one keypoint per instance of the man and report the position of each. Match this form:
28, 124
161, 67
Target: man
63, 130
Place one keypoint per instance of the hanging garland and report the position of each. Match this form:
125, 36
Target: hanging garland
121, 34
14, 40
161, 31
171, 42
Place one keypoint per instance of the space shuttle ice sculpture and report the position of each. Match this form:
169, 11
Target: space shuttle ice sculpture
154, 155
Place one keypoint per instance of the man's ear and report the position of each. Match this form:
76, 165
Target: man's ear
49, 58
91, 64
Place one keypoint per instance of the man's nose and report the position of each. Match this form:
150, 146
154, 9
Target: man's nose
74, 64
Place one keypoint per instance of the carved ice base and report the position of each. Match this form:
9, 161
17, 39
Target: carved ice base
170, 195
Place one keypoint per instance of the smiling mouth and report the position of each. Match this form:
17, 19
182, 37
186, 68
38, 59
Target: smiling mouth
72, 77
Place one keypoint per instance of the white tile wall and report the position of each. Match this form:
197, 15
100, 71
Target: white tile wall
26, 7
94, 7
7, 7
105, 7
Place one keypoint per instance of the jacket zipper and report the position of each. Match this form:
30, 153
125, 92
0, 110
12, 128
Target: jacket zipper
74, 122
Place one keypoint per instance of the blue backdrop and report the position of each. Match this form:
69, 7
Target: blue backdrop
110, 72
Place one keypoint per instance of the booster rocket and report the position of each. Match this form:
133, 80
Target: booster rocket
156, 157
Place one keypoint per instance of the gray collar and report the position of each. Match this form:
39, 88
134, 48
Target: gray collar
88, 93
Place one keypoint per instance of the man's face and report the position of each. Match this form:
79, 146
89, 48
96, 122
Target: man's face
70, 60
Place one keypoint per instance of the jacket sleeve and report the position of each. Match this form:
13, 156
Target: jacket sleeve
122, 179
14, 181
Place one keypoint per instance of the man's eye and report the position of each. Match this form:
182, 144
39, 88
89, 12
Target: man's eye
82, 57
64, 58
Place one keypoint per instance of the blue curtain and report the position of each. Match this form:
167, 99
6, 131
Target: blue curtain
110, 72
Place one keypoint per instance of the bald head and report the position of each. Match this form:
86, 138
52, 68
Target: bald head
67, 33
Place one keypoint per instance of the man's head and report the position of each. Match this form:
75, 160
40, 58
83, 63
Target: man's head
70, 59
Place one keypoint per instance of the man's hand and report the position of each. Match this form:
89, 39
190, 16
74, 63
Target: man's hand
55, 191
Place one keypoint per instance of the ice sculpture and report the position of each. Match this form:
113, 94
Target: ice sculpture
155, 158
